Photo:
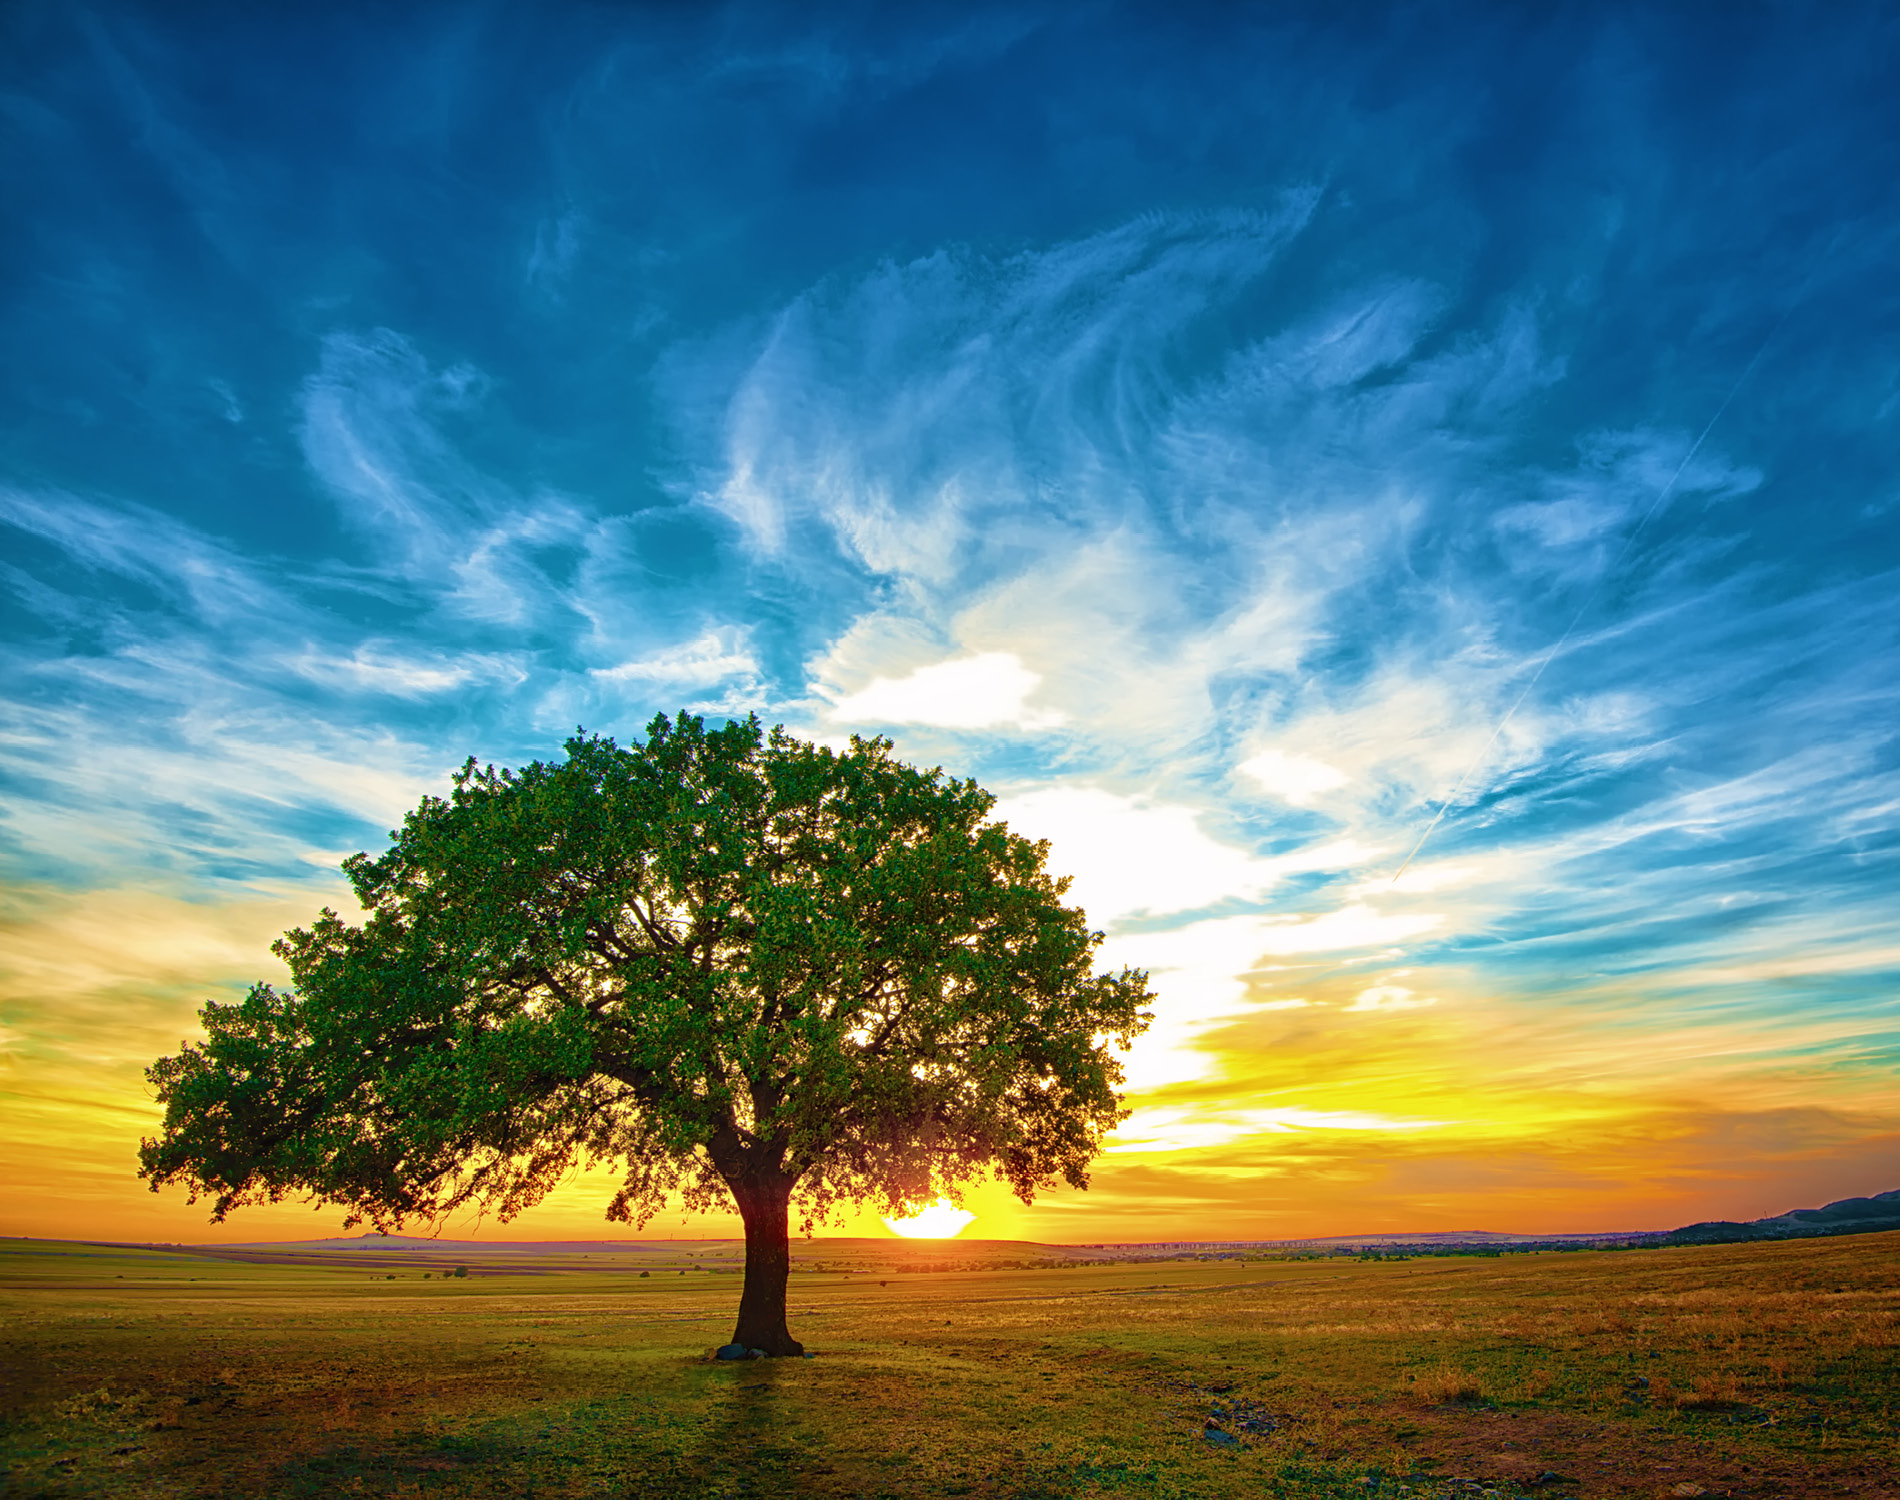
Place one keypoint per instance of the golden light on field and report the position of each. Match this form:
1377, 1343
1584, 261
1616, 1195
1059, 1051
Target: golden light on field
943, 1220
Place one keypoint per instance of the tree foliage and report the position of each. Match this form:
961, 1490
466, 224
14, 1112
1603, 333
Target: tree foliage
739, 966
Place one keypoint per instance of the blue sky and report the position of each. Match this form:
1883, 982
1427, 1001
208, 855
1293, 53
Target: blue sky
1199, 423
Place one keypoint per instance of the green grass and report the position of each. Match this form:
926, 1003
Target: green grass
1754, 1369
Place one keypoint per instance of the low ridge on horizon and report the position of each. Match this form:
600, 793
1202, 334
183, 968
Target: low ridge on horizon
1871, 1213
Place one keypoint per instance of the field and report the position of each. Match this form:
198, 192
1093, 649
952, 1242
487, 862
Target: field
984, 1370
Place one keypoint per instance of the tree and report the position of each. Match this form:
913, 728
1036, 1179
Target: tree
745, 969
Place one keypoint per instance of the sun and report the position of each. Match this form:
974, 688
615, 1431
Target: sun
943, 1220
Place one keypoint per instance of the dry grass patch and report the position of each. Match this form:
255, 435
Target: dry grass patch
1722, 1392
1448, 1385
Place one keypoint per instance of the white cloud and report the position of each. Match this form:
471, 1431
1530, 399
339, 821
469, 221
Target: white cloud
1130, 856
714, 656
376, 424
1390, 997
1126, 855
1421, 878
1180, 1128
1200, 974
372, 667
1416, 727
1298, 779
193, 573
891, 413
1233, 946
970, 692
369, 434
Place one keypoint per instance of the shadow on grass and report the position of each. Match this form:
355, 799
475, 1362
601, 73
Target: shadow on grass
448, 1466
730, 1432
624, 1444
747, 1443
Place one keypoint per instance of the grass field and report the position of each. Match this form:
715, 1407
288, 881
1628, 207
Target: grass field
954, 1370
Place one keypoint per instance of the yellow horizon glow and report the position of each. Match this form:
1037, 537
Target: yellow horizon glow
943, 1220
1254, 1118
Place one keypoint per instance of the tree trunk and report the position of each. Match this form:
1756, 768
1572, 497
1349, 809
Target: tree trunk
765, 1205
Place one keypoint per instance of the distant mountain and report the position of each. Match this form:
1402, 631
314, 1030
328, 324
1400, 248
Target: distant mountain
1849, 1216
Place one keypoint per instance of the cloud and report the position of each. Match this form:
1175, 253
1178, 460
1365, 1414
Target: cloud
716, 656
1298, 779
369, 432
377, 667
191, 573
887, 414
1390, 997
1126, 855
378, 430
1208, 973
557, 241
1162, 1129
1004, 445
970, 692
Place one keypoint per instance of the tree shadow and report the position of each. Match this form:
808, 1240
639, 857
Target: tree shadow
746, 1445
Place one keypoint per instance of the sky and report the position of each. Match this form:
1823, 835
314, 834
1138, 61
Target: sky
1232, 434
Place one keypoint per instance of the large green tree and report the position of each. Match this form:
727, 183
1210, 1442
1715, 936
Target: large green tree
746, 969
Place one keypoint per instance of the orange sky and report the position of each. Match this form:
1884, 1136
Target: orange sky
1327, 1098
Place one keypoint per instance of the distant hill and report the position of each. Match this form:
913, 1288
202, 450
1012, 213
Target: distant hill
1849, 1216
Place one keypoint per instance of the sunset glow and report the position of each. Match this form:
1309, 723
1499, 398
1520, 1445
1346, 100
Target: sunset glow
943, 1220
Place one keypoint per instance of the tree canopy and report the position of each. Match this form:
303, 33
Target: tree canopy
747, 970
